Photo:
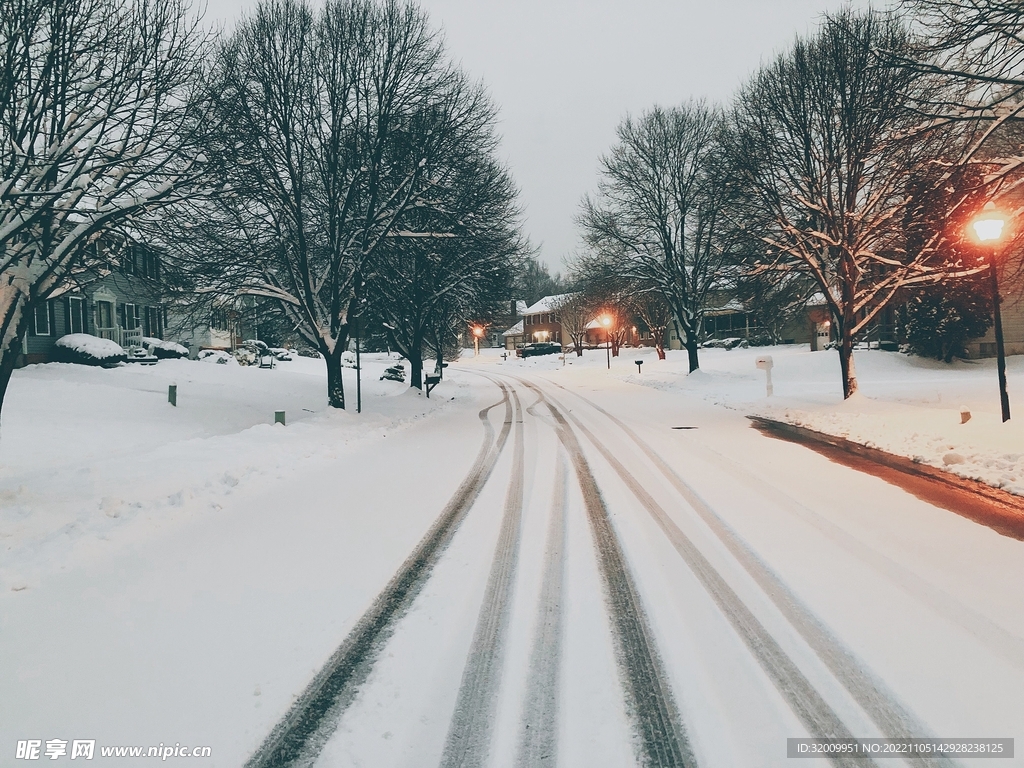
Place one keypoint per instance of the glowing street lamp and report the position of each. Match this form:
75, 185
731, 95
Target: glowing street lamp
607, 323
477, 333
989, 227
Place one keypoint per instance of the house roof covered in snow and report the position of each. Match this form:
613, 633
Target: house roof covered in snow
515, 330
733, 305
548, 304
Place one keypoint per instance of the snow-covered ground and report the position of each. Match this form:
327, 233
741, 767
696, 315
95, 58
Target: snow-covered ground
178, 575
85, 451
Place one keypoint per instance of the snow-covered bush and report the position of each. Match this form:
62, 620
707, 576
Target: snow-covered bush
88, 350
725, 343
216, 356
348, 358
165, 350
255, 345
307, 352
248, 355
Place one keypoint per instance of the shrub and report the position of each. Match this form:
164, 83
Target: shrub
84, 349
165, 350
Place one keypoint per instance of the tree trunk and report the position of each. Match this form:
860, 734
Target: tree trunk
660, 348
9, 354
416, 371
335, 384
691, 351
7, 359
846, 365
659, 341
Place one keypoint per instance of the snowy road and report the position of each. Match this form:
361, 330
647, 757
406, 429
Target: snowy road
634, 624
562, 579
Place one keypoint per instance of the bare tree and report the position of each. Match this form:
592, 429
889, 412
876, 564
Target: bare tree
97, 121
454, 258
654, 312
333, 123
826, 143
574, 312
659, 210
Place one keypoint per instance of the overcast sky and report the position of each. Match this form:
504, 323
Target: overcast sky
564, 73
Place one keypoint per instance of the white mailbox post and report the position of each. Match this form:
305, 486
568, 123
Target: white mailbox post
764, 362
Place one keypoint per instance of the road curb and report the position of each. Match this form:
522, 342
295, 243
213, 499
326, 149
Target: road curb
998, 509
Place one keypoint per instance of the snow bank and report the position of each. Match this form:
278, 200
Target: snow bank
133, 457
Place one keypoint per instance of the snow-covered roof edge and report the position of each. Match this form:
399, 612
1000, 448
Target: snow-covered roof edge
548, 304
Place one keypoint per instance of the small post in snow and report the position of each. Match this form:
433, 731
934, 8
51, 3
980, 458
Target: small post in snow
279, 418
638, 364
764, 362
172, 394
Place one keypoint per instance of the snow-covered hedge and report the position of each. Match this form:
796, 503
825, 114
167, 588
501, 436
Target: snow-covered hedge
88, 350
164, 349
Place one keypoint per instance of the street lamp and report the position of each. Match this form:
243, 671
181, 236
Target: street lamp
988, 227
477, 333
607, 322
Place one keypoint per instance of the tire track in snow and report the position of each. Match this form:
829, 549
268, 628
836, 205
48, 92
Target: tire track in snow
663, 741
538, 737
469, 733
893, 719
999, 640
802, 697
300, 735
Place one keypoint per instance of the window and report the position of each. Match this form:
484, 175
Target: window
154, 326
148, 264
75, 322
219, 321
128, 260
41, 319
104, 314
131, 317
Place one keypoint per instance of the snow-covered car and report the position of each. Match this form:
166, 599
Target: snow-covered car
539, 348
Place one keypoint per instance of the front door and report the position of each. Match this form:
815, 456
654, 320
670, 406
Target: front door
104, 319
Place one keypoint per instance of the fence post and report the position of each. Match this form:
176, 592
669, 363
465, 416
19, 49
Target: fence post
172, 394
279, 418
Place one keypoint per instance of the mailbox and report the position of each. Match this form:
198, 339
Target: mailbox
764, 363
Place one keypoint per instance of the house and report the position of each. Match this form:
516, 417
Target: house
541, 321
514, 336
221, 328
118, 296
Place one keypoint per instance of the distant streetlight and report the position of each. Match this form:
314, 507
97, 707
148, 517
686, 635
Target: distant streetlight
477, 333
607, 323
989, 227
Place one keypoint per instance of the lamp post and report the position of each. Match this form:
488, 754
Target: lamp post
607, 323
477, 333
988, 229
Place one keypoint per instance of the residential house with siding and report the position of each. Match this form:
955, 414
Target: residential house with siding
117, 297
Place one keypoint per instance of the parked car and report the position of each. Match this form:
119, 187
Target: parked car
540, 348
